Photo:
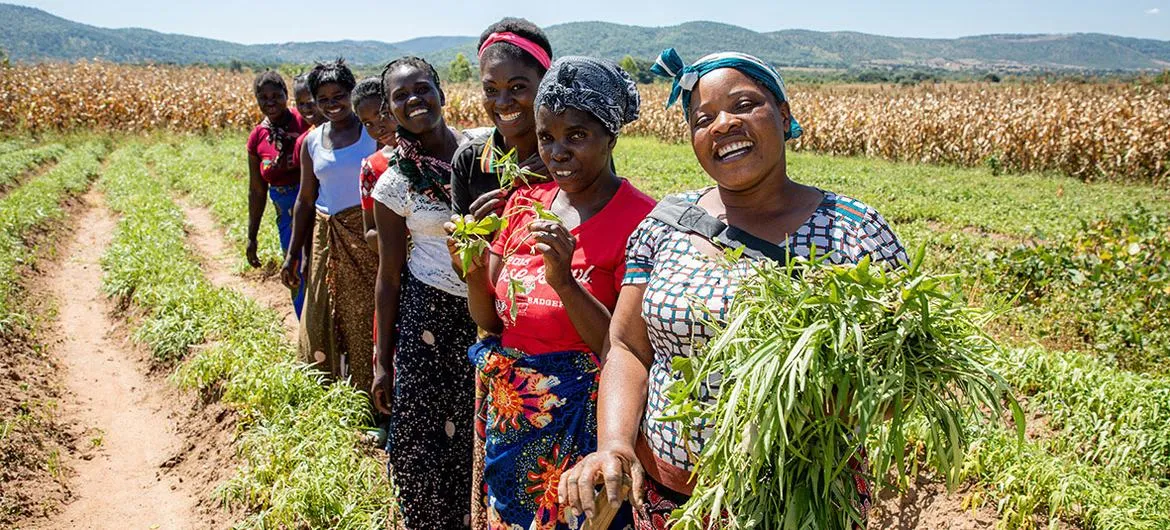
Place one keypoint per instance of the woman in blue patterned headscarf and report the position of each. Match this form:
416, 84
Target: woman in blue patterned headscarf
546, 293
737, 109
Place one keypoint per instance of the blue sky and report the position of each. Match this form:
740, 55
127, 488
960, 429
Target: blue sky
256, 21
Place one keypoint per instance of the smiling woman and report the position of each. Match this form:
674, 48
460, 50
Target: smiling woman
739, 118
423, 379
514, 54
336, 334
273, 167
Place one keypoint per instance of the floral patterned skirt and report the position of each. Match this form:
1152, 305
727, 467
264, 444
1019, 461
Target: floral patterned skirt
538, 417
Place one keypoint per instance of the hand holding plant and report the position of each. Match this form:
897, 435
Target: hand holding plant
469, 240
556, 244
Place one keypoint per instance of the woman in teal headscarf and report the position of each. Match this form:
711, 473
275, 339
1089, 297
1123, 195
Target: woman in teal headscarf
738, 112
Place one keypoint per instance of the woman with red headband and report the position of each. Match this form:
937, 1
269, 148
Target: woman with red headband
545, 294
514, 54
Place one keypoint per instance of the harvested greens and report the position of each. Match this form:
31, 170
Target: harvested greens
816, 361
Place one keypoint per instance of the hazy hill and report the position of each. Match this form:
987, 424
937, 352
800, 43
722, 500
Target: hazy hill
30, 34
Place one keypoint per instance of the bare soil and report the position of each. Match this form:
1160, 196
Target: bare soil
132, 467
927, 505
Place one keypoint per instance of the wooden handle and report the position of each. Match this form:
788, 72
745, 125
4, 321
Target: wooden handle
603, 511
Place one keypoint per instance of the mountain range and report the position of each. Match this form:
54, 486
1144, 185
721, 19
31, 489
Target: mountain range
30, 34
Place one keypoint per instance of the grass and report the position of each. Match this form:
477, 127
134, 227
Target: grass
15, 163
300, 444
213, 173
12, 144
961, 212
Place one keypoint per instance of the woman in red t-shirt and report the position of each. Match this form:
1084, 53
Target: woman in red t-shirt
546, 293
375, 117
273, 172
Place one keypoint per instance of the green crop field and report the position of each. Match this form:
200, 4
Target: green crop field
1078, 273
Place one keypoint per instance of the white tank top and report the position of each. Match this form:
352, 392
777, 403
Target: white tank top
338, 170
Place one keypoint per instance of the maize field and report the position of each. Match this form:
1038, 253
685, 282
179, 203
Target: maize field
1106, 131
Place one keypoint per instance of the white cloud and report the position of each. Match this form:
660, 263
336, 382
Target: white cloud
1153, 11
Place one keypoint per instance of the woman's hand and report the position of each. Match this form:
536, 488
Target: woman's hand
250, 253
556, 244
489, 203
477, 263
382, 388
290, 272
616, 469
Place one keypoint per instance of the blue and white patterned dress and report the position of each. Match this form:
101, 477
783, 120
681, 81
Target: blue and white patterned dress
681, 281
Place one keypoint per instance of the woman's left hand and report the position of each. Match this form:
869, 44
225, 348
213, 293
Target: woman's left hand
556, 244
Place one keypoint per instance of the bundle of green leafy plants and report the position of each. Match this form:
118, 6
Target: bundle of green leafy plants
818, 368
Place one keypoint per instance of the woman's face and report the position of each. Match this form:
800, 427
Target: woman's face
737, 129
575, 147
415, 102
306, 107
509, 90
333, 101
378, 124
272, 100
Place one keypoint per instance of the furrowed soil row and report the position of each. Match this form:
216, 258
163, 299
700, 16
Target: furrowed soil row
304, 458
34, 438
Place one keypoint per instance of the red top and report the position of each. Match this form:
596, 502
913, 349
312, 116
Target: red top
372, 167
297, 146
276, 170
542, 325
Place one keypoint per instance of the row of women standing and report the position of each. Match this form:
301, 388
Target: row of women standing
579, 312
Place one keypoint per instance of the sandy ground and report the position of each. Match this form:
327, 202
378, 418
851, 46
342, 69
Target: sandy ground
124, 482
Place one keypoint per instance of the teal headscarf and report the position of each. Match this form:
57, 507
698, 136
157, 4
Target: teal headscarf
669, 64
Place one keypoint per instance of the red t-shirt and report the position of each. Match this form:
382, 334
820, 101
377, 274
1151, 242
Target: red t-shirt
542, 325
300, 142
372, 167
277, 171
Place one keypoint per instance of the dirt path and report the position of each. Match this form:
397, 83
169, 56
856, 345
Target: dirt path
124, 482
219, 259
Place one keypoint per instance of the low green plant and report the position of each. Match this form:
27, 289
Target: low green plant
15, 163
302, 459
1106, 287
32, 207
212, 172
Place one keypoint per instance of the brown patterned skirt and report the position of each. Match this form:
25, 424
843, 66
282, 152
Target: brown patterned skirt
336, 333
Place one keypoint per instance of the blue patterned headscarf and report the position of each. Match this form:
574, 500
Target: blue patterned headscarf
596, 86
669, 64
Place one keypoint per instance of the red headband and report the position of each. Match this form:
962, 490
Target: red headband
532, 48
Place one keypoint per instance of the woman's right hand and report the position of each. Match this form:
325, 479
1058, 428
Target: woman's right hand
453, 248
290, 272
613, 468
382, 388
